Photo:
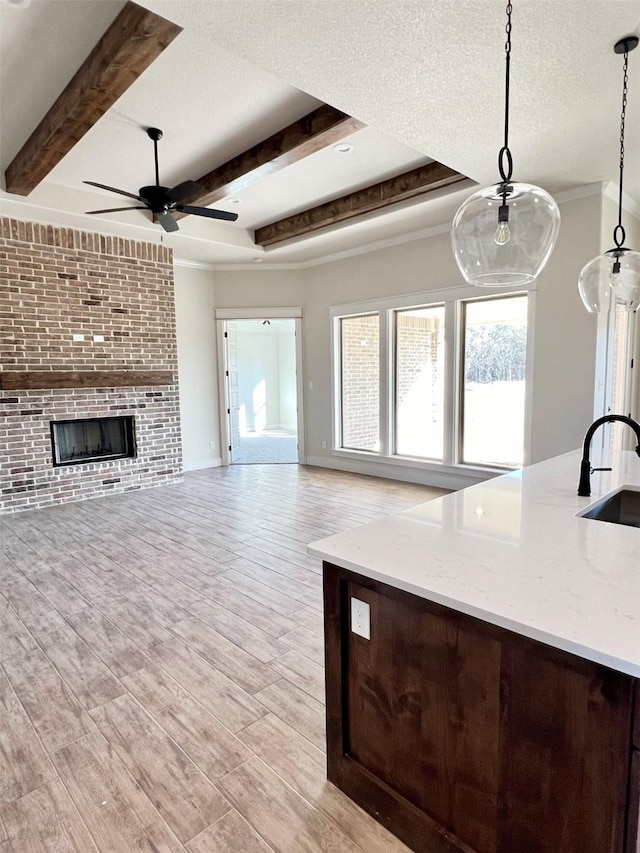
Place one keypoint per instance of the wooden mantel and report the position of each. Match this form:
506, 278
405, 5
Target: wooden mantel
50, 379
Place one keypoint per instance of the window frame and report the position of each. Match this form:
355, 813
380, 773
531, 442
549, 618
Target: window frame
452, 299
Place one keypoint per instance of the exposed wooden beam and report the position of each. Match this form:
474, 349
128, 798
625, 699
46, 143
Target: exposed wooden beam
132, 42
318, 129
36, 380
424, 179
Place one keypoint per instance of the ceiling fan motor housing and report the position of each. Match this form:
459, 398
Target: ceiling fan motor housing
158, 198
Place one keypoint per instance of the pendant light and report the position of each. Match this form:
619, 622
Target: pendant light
502, 235
614, 278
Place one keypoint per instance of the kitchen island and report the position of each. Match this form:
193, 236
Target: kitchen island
493, 708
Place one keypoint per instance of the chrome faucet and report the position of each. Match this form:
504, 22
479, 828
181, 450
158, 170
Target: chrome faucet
584, 486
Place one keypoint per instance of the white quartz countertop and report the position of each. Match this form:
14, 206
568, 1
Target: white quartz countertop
512, 551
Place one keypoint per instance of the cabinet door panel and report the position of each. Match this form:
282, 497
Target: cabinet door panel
564, 739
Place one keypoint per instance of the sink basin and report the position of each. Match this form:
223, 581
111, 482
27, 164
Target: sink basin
620, 507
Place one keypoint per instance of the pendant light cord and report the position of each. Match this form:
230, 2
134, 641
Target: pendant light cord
504, 151
618, 231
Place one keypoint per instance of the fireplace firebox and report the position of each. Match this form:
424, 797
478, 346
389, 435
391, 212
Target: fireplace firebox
92, 440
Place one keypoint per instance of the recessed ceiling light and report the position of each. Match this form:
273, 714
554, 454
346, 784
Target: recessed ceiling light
18, 3
233, 200
343, 148
258, 260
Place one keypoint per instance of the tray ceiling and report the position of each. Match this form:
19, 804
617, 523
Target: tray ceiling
423, 75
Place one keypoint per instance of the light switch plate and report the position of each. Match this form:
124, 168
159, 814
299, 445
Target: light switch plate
361, 618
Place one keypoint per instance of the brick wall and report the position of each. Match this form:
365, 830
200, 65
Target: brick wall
56, 283
417, 342
360, 382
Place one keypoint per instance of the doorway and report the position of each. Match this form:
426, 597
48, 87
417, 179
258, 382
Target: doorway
260, 358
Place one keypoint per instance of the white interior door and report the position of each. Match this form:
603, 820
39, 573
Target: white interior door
229, 379
233, 390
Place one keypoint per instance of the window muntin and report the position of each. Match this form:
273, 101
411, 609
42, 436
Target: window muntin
419, 382
493, 381
360, 382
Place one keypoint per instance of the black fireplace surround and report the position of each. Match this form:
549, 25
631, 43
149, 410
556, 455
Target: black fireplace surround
85, 440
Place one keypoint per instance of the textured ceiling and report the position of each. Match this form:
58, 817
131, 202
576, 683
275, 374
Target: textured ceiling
426, 76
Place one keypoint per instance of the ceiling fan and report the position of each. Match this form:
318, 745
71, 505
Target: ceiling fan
162, 201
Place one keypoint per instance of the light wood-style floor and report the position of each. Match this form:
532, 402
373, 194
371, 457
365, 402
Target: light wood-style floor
161, 678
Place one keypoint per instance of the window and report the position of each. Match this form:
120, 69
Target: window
360, 382
419, 382
440, 382
617, 393
495, 357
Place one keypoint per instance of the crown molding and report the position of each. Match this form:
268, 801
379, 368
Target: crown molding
573, 194
630, 205
194, 265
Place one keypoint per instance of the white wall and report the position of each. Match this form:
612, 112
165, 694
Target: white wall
565, 337
609, 222
632, 226
197, 371
258, 376
565, 334
287, 377
267, 374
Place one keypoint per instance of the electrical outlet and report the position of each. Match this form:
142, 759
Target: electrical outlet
212, 445
361, 618
324, 445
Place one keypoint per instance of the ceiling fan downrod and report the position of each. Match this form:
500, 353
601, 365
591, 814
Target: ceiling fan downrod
156, 135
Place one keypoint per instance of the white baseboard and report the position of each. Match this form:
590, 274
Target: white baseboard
199, 464
437, 479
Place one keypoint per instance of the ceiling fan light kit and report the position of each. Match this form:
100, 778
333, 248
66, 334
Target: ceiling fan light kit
164, 201
503, 235
612, 279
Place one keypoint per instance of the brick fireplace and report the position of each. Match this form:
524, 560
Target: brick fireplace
88, 332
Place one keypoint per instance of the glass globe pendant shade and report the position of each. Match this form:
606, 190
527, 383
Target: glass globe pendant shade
611, 279
498, 247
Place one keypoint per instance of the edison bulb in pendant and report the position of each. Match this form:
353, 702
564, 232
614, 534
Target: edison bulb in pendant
614, 275
503, 234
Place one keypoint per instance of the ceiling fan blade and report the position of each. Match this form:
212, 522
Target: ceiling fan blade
113, 190
116, 209
187, 189
167, 221
207, 211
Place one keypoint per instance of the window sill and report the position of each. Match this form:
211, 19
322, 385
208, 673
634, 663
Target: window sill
474, 472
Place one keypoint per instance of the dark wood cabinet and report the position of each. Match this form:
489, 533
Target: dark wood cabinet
633, 817
461, 736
